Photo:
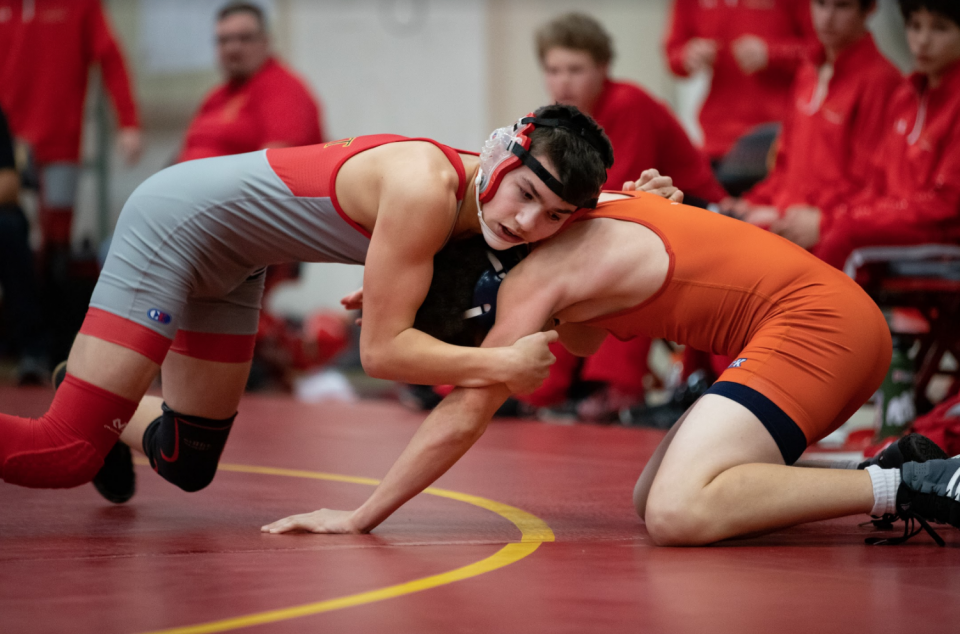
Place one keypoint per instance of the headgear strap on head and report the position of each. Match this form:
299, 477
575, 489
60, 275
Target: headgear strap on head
486, 289
581, 126
508, 148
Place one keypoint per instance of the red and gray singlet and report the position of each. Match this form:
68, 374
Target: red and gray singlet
192, 239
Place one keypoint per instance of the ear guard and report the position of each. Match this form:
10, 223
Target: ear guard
508, 148
484, 311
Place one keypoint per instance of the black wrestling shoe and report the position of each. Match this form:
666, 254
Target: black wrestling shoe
910, 448
116, 480
929, 492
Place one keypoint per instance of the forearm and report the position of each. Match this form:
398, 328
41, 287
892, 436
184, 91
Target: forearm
450, 430
416, 357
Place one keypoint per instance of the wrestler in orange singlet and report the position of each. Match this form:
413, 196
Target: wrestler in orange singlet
810, 348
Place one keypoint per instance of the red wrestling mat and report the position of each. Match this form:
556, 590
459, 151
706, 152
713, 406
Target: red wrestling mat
172, 561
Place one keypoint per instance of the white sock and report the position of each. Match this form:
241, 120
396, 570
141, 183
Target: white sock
885, 485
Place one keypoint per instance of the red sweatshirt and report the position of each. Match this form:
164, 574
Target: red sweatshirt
914, 194
830, 140
273, 107
46, 50
645, 134
736, 101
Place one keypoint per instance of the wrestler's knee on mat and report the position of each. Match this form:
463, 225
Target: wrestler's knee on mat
185, 450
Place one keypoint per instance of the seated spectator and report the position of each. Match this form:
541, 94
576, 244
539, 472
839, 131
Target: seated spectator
261, 104
753, 50
913, 196
575, 52
21, 305
840, 99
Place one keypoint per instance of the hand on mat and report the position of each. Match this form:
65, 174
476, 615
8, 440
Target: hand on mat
651, 181
322, 521
354, 301
530, 362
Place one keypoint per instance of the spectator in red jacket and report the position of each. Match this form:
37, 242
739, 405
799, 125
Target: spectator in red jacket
46, 50
575, 52
261, 104
839, 113
913, 195
753, 48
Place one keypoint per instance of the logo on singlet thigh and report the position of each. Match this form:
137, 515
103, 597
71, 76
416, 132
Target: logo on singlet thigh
737, 362
344, 142
159, 316
116, 426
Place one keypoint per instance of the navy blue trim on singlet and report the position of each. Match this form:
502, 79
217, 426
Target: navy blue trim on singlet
786, 433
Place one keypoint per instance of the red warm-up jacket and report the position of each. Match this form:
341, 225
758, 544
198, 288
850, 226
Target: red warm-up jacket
914, 193
273, 107
46, 50
738, 101
830, 139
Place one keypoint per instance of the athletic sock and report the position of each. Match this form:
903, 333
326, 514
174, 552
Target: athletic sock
64, 447
885, 485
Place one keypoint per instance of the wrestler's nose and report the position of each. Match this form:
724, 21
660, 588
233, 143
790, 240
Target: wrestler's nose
527, 219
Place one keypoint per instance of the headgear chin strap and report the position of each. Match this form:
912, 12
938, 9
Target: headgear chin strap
508, 148
490, 237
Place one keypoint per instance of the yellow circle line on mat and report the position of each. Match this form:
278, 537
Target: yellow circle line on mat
533, 532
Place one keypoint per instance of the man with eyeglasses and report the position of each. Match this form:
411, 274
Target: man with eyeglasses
261, 105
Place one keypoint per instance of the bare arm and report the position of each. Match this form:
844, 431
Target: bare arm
412, 224
447, 433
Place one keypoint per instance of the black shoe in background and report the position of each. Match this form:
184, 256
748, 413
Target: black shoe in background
666, 415
419, 398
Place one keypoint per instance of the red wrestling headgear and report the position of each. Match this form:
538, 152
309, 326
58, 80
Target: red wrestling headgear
508, 148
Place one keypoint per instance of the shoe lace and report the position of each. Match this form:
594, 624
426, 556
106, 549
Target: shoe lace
910, 529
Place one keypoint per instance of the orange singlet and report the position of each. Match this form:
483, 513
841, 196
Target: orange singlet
805, 336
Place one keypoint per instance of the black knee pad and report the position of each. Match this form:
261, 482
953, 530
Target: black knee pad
185, 450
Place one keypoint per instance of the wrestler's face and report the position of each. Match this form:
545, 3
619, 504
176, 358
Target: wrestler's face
573, 77
242, 46
934, 40
524, 209
839, 23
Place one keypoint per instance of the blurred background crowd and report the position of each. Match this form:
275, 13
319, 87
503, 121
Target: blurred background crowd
833, 123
